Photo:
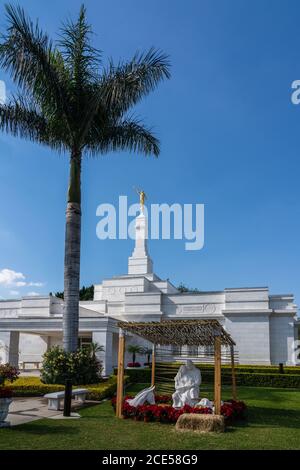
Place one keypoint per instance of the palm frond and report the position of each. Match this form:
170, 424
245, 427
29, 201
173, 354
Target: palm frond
21, 119
127, 83
80, 56
82, 61
129, 134
28, 55
68, 104
88, 111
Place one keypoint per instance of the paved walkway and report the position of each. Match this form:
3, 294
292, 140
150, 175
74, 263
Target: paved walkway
24, 410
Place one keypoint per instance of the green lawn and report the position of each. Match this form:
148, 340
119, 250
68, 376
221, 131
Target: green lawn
273, 423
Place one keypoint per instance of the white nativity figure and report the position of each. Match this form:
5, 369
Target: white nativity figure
145, 395
187, 383
205, 402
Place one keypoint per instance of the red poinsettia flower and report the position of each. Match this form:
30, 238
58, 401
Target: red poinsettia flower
163, 411
5, 392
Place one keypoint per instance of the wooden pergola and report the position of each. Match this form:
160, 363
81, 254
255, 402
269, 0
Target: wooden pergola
178, 333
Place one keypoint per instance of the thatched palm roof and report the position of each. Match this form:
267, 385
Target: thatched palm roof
179, 332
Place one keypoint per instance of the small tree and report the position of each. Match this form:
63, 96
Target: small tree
85, 293
134, 349
81, 366
183, 288
95, 348
148, 353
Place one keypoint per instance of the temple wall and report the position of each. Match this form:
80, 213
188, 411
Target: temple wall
251, 334
282, 339
262, 325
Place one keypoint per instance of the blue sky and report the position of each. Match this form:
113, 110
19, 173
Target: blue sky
230, 138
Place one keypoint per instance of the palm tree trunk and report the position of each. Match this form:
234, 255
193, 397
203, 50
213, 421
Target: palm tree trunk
72, 256
133, 357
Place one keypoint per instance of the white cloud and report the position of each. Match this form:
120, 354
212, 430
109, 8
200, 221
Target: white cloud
9, 277
2, 92
33, 294
14, 292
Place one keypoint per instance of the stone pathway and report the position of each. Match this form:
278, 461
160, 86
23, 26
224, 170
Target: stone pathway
24, 410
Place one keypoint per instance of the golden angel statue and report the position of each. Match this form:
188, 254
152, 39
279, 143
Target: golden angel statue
143, 197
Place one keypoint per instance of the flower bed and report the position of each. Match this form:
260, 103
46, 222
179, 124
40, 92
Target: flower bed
5, 392
8, 372
163, 411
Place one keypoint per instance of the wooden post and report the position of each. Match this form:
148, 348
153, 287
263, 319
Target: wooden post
217, 398
233, 379
153, 366
120, 377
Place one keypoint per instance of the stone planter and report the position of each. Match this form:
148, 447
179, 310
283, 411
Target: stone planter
4, 406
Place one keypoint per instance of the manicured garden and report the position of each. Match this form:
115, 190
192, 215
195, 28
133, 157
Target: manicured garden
273, 423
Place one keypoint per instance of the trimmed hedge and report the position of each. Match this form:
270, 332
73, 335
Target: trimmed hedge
254, 376
137, 375
32, 386
293, 370
268, 380
256, 379
251, 369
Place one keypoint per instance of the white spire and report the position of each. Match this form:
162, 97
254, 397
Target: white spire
140, 262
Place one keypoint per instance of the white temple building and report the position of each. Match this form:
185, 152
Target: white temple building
264, 326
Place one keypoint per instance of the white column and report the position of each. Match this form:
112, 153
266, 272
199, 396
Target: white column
105, 339
13, 352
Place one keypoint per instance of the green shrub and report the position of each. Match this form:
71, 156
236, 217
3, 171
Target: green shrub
256, 379
104, 390
253, 376
268, 380
137, 375
294, 370
81, 366
32, 386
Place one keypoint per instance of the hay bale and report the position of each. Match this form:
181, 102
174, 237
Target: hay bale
200, 423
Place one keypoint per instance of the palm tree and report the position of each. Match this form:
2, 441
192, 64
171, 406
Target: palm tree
147, 352
134, 349
69, 101
95, 348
